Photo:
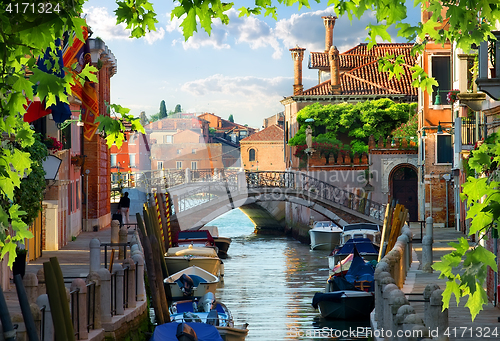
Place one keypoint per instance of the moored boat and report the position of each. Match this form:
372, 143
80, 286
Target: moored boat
345, 304
185, 331
324, 235
222, 243
180, 258
191, 282
361, 230
208, 311
338, 257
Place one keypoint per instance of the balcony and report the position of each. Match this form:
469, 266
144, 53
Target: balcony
488, 80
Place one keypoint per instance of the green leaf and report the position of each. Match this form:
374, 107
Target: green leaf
452, 287
476, 301
10, 248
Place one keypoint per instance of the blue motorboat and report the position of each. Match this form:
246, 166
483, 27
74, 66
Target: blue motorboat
186, 331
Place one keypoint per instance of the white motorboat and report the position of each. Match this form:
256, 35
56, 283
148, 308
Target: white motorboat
361, 230
325, 235
192, 282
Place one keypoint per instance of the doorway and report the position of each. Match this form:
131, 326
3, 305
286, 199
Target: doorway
404, 189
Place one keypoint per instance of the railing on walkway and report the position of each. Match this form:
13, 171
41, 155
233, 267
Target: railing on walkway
113, 294
472, 130
75, 311
111, 245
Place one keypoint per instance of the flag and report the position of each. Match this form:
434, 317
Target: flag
35, 110
79, 52
60, 111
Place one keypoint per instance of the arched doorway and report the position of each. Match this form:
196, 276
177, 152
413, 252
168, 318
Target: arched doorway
404, 189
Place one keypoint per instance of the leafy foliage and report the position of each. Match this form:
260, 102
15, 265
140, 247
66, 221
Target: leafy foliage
483, 201
231, 118
352, 123
407, 129
177, 109
115, 126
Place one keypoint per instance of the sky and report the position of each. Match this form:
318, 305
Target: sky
244, 68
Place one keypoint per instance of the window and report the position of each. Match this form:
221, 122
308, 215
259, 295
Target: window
193, 151
113, 160
131, 160
178, 165
179, 151
444, 146
194, 165
251, 155
70, 196
132, 138
78, 194
243, 133
159, 165
441, 71
167, 139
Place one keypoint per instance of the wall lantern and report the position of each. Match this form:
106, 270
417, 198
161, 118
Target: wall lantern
51, 166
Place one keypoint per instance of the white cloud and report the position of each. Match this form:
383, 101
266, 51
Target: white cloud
153, 36
104, 24
244, 86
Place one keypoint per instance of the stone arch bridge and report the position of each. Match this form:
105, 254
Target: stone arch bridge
203, 195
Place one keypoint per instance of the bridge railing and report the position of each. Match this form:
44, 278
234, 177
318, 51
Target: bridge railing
201, 195
316, 188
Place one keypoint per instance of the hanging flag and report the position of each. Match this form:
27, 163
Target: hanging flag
60, 110
35, 110
80, 52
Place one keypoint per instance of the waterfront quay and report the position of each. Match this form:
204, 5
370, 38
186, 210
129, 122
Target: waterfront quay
453, 324
75, 261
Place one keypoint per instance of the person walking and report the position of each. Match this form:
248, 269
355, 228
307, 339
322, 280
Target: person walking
124, 207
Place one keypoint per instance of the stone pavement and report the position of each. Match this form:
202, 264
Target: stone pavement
74, 259
461, 326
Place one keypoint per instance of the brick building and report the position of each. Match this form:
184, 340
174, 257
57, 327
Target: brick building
180, 142
264, 150
225, 129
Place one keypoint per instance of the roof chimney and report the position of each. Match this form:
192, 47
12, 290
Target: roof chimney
333, 57
329, 22
298, 56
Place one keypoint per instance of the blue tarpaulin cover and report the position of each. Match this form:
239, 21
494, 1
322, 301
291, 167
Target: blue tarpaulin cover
204, 332
359, 269
364, 245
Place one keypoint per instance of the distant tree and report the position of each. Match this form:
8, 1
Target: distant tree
154, 117
178, 108
163, 110
231, 118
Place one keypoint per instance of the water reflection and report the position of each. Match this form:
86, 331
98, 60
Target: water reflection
269, 284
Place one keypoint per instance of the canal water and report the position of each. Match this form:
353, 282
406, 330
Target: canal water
269, 283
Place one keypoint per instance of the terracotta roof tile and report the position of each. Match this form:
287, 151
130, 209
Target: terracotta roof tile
367, 80
271, 133
360, 55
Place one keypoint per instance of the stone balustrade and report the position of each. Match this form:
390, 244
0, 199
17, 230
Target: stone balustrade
394, 314
93, 293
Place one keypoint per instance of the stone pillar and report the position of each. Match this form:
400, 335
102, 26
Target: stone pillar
242, 181
429, 227
81, 324
437, 319
123, 235
21, 334
383, 279
429, 289
115, 228
129, 262
118, 271
188, 177
30, 282
105, 281
427, 254
397, 299
95, 299
41, 282
414, 324
37, 317
387, 315
48, 326
403, 312
139, 268
95, 254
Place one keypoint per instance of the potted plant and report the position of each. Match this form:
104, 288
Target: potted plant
19, 265
452, 96
52, 143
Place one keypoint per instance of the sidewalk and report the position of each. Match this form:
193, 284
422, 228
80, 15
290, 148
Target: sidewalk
461, 326
74, 260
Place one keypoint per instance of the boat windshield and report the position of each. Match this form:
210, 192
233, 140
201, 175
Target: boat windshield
323, 224
361, 226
